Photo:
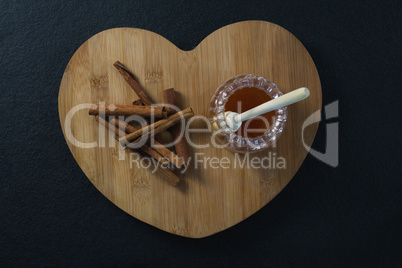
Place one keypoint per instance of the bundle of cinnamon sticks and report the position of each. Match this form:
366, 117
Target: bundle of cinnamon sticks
130, 136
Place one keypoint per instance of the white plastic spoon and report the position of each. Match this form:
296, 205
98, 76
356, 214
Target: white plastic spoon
234, 120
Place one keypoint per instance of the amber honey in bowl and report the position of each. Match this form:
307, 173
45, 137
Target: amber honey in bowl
245, 99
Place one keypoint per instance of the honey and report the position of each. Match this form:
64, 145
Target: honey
245, 99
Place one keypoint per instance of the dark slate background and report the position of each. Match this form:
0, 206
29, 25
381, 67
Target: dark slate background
51, 215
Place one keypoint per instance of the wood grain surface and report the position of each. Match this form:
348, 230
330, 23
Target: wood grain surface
206, 200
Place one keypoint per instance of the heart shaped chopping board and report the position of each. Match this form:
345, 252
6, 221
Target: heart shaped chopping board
206, 200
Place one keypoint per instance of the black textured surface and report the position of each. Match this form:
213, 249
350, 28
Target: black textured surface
52, 215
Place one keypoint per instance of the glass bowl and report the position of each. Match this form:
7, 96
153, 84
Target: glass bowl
224, 136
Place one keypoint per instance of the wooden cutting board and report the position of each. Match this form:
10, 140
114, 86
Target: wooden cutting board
206, 200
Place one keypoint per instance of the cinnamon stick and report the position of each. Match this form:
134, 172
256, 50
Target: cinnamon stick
129, 77
120, 133
138, 102
169, 97
157, 127
117, 132
162, 150
165, 173
168, 175
127, 110
146, 121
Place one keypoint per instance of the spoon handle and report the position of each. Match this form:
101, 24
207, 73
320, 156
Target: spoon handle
284, 100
